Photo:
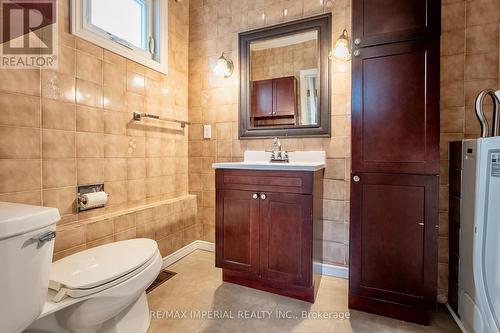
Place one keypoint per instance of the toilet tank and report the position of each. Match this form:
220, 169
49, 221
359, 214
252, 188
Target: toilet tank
26, 245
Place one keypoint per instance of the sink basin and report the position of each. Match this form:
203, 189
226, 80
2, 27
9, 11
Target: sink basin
260, 160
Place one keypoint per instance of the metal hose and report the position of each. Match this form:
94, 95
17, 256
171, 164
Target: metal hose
495, 96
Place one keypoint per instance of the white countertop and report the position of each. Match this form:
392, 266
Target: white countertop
259, 160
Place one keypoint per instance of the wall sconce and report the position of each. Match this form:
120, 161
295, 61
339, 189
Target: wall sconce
224, 67
342, 49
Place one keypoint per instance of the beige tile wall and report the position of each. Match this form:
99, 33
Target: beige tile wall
214, 27
469, 63
70, 126
284, 61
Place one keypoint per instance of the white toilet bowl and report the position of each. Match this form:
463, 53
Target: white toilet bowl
101, 290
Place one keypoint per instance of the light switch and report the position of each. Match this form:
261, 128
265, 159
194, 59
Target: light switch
207, 131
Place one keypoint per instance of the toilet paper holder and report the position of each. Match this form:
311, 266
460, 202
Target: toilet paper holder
85, 189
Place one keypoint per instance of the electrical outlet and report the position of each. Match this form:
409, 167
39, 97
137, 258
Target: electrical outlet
207, 131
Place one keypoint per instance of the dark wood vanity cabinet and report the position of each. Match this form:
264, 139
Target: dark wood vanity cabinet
393, 242
286, 239
395, 108
262, 99
264, 229
387, 21
238, 246
285, 96
395, 158
274, 98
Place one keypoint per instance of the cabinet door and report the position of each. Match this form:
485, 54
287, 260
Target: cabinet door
284, 96
262, 98
286, 238
393, 238
395, 108
237, 231
388, 21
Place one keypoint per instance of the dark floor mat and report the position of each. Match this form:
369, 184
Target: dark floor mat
164, 275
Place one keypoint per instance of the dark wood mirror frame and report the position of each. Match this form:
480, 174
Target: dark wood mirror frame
322, 24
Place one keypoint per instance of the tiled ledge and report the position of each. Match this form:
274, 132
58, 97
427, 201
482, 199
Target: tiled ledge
172, 223
136, 209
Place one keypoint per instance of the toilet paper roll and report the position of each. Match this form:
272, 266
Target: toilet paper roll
95, 199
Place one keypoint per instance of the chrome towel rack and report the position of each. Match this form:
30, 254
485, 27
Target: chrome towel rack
138, 117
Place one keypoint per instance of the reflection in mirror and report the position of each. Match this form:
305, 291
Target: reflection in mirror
284, 79
308, 97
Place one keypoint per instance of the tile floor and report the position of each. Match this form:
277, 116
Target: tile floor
198, 287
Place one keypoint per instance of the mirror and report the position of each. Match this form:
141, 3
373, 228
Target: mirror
285, 79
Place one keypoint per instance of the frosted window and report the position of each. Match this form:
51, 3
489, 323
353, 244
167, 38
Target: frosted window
125, 19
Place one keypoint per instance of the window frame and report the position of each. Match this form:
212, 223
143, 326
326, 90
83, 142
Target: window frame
82, 27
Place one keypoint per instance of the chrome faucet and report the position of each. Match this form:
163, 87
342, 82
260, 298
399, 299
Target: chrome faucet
277, 155
277, 144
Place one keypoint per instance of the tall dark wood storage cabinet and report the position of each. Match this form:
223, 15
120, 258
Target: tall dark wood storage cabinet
395, 158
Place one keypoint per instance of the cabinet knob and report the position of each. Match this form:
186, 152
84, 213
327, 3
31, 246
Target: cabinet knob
356, 179
255, 196
357, 41
357, 53
263, 196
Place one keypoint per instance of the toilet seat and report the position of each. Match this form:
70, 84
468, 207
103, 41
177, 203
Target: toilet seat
100, 268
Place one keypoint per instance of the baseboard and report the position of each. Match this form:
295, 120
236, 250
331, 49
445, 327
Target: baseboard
186, 250
332, 270
457, 320
323, 269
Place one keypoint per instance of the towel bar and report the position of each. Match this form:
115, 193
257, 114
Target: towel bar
138, 117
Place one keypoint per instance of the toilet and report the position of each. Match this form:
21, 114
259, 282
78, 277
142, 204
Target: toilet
101, 290
26, 245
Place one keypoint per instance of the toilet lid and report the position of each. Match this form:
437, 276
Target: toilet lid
99, 265
17, 219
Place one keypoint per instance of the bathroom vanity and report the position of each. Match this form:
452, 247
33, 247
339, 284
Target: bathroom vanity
265, 214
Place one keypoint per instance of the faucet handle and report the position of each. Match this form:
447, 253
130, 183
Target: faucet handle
273, 154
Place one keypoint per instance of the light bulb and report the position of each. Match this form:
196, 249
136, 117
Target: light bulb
223, 67
341, 51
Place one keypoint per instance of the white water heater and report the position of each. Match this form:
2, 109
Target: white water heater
479, 263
